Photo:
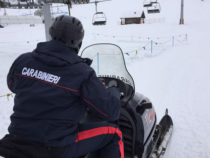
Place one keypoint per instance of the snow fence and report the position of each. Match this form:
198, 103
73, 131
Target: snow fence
20, 20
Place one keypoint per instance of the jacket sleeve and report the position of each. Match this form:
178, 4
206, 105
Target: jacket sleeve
105, 103
10, 76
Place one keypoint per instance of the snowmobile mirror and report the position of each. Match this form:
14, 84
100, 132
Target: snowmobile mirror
143, 106
146, 105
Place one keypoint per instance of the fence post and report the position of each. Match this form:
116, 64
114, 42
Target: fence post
98, 63
47, 20
173, 41
151, 45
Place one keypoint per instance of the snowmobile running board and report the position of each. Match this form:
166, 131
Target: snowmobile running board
162, 136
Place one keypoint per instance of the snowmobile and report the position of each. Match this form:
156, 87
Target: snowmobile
142, 137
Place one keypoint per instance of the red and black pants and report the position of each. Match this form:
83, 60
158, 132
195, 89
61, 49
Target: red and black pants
104, 138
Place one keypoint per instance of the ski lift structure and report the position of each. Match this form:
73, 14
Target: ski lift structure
24, 4
155, 8
152, 6
148, 3
99, 18
80, 1
20, 4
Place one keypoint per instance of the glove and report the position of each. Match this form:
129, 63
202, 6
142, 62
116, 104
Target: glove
114, 91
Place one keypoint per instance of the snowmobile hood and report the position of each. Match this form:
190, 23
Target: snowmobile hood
55, 53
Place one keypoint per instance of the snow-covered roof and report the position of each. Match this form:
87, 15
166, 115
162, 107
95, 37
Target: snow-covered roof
14, 3
131, 14
23, 3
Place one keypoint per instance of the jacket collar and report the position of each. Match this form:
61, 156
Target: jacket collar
56, 49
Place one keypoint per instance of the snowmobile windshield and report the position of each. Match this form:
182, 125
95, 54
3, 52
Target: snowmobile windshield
108, 62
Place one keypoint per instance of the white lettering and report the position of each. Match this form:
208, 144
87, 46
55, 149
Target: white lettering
49, 79
24, 71
28, 72
31, 72
57, 80
45, 76
35, 74
40, 75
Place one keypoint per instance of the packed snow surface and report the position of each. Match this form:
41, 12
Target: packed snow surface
174, 77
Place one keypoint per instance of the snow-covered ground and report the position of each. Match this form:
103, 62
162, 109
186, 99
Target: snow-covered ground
174, 77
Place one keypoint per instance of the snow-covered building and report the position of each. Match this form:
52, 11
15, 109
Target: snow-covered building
18, 4
135, 17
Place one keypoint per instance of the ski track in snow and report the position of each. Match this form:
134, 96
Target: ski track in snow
177, 78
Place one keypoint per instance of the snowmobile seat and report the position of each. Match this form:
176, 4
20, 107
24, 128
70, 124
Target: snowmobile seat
12, 146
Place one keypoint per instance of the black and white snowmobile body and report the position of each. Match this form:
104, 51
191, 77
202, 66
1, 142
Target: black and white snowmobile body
142, 137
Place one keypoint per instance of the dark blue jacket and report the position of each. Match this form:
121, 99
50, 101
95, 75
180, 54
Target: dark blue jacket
53, 88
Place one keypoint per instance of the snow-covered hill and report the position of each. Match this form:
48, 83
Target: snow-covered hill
177, 78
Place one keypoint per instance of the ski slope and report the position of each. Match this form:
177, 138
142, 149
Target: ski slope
174, 77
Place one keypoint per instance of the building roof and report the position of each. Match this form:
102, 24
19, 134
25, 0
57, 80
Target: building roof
131, 14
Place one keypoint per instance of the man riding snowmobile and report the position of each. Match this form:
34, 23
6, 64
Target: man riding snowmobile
54, 87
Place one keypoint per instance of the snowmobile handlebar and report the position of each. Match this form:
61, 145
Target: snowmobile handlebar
124, 89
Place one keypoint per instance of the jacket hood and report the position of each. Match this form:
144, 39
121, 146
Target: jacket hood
55, 53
